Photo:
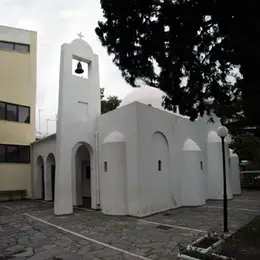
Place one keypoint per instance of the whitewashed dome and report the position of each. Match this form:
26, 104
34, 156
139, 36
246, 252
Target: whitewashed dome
146, 95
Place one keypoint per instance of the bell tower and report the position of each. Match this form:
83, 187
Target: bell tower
78, 110
79, 97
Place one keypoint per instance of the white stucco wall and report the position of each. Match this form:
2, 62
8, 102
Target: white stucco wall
167, 187
198, 132
157, 179
193, 183
138, 122
44, 148
177, 129
113, 179
124, 120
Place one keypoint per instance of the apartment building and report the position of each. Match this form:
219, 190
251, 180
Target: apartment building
18, 70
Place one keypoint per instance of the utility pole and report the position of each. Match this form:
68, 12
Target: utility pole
39, 118
47, 121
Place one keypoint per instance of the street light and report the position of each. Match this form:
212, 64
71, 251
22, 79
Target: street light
222, 132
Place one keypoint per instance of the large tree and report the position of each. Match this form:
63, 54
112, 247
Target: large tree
191, 49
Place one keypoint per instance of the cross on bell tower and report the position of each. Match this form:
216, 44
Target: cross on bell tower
80, 35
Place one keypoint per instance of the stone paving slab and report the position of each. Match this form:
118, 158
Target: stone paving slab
249, 194
25, 206
236, 203
209, 217
125, 233
24, 238
204, 218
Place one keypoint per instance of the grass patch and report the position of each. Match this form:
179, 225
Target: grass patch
245, 243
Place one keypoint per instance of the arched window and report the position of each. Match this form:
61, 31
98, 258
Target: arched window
105, 166
159, 165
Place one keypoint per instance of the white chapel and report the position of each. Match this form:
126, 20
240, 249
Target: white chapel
137, 160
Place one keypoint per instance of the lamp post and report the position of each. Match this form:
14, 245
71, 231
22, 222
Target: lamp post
222, 132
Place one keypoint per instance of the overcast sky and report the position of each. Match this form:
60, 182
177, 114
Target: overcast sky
57, 22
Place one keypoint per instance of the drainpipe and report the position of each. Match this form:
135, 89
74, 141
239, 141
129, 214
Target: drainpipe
97, 169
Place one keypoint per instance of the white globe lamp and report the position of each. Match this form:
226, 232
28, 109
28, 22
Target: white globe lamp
222, 131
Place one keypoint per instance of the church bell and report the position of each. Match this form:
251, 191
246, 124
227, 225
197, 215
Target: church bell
79, 69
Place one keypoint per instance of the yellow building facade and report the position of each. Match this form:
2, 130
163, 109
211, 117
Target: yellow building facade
18, 76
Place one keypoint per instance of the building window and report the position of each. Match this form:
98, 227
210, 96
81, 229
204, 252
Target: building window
11, 112
23, 154
15, 113
11, 46
105, 166
21, 47
14, 153
23, 114
159, 165
6, 46
2, 110
2, 153
201, 165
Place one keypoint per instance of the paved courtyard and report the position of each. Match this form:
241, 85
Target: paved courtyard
29, 230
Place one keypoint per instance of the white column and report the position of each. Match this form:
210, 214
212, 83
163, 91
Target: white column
63, 185
73, 180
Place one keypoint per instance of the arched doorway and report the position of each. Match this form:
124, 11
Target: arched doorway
50, 164
156, 181
40, 175
83, 175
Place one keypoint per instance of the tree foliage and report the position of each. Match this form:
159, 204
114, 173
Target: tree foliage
246, 146
109, 104
190, 49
